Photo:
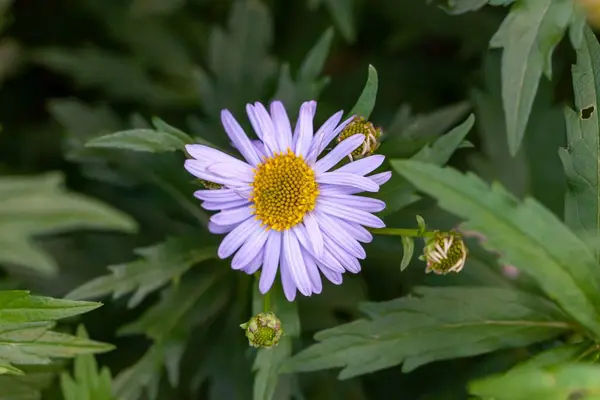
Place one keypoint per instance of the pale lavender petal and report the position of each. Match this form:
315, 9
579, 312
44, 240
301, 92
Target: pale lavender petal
254, 121
243, 191
207, 155
224, 205
360, 217
269, 134
293, 257
249, 249
381, 178
304, 127
345, 179
222, 195
283, 128
357, 231
289, 287
325, 129
237, 237
340, 236
260, 148
313, 273
255, 264
303, 239
239, 138
331, 262
359, 202
271, 261
331, 275
314, 234
243, 172
339, 152
232, 216
349, 262
363, 166
332, 134
199, 171
220, 229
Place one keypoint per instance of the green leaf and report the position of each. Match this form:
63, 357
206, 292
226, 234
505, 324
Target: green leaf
87, 382
26, 387
158, 265
436, 324
18, 306
577, 26
581, 158
141, 378
569, 381
408, 248
366, 102
528, 35
342, 14
267, 381
36, 205
148, 140
527, 236
398, 192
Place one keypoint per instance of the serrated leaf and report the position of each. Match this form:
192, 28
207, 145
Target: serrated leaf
141, 378
366, 102
581, 159
437, 324
526, 234
87, 382
158, 265
408, 248
18, 306
147, 140
528, 35
569, 381
36, 205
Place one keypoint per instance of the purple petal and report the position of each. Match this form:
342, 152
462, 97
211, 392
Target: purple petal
341, 237
242, 173
303, 239
359, 202
249, 249
271, 261
345, 179
269, 134
239, 138
363, 166
304, 128
293, 257
381, 178
360, 217
349, 262
331, 275
289, 287
220, 229
340, 151
283, 128
208, 155
232, 216
357, 231
331, 262
224, 205
237, 237
313, 273
255, 264
332, 134
314, 234
254, 121
324, 130
197, 169
222, 195
260, 148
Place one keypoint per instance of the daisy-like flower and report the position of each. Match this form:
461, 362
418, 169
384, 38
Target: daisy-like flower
282, 207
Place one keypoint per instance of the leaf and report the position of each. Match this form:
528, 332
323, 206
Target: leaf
366, 102
268, 382
25, 387
577, 26
436, 324
455, 7
158, 265
341, 12
309, 82
17, 306
408, 248
526, 235
568, 381
398, 192
528, 35
87, 382
581, 159
148, 140
36, 205
141, 378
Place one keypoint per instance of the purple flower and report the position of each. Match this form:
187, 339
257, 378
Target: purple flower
282, 208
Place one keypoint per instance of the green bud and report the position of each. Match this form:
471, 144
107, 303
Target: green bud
445, 252
263, 330
210, 185
359, 125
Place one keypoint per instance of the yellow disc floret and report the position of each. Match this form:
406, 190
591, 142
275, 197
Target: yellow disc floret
283, 191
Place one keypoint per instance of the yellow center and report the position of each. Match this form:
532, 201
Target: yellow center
284, 189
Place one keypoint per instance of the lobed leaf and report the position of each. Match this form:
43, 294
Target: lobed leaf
17, 306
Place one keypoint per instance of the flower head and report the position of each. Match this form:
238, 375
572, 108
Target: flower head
445, 252
263, 330
281, 207
371, 136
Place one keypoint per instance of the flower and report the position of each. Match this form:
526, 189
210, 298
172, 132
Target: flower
263, 330
282, 208
371, 136
445, 252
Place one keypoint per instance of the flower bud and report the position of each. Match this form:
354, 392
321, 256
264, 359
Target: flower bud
210, 185
445, 252
263, 330
359, 125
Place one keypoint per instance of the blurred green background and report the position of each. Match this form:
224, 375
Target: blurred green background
74, 69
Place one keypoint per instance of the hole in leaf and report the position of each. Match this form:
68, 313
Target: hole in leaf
587, 112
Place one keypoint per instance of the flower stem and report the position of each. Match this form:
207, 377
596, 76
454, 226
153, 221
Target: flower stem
267, 301
402, 232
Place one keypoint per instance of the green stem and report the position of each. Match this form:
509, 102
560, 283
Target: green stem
402, 232
267, 301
